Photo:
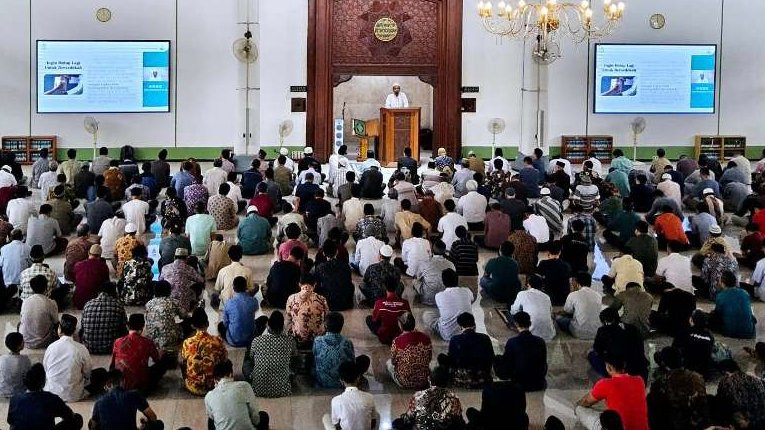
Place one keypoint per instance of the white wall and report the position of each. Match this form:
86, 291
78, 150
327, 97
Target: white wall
205, 106
566, 86
208, 108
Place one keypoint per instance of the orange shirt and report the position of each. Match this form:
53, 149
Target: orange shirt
670, 227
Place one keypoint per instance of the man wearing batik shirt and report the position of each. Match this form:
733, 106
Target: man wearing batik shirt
161, 312
131, 356
193, 194
269, 360
76, 251
498, 180
435, 407
526, 252
373, 286
223, 209
410, 355
103, 321
185, 281
200, 354
306, 311
123, 248
370, 225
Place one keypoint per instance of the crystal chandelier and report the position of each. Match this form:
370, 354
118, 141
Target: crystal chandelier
548, 21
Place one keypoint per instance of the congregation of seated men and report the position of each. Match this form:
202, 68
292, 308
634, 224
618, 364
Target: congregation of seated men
342, 237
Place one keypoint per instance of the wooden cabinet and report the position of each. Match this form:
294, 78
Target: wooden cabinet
720, 148
576, 148
26, 149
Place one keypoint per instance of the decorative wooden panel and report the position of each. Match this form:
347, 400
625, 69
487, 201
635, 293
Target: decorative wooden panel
341, 44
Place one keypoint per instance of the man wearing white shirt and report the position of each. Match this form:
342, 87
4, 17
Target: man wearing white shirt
214, 177
499, 155
538, 305
67, 363
397, 99
451, 302
289, 164
671, 189
353, 409
6, 177
472, 206
448, 224
675, 268
48, 180
581, 313
235, 192
367, 253
334, 160
111, 230
316, 176
353, 210
415, 250
536, 225
20, 209
597, 167
136, 210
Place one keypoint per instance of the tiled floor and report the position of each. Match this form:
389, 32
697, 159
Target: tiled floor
568, 376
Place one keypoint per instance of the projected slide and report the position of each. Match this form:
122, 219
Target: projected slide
654, 78
114, 76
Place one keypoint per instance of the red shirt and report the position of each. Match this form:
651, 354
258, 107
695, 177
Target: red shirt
626, 395
286, 247
131, 356
759, 219
671, 227
264, 204
89, 275
386, 313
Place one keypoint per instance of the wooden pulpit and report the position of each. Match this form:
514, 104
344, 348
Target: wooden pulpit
399, 128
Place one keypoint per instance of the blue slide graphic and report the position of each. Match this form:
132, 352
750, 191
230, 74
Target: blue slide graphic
156, 82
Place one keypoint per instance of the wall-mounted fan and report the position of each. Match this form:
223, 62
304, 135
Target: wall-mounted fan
91, 126
637, 126
246, 51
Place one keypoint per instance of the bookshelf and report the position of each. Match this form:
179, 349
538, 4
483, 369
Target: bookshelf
576, 148
720, 147
26, 149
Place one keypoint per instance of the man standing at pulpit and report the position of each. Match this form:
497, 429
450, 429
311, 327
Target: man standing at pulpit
397, 99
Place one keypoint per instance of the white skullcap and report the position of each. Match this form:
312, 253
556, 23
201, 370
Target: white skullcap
471, 185
284, 151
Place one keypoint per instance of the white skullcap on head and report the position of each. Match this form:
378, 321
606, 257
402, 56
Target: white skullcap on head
284, 151
396, 84
471, 185
441, 151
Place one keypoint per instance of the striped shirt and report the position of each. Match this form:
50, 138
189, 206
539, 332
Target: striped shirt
587, 196
552, 212
464, 254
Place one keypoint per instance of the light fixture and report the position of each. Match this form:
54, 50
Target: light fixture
548, 21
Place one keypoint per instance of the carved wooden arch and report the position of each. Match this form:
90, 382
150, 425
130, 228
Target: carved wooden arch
341, 44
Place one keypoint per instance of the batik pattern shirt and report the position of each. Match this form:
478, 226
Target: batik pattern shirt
135, 282
434, 409
305, 315
525, 251
160, 323
498, 181
123, 250
182, 277
201, 352
270, 355
371, 226
194, 194
76, 251
410, 355
224, 212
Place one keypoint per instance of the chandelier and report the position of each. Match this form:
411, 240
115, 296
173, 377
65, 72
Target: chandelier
549, 20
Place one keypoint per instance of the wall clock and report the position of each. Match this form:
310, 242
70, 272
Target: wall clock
103, 14
657, 21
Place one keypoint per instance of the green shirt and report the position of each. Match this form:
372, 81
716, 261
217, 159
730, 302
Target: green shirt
624, 223
621, 180
199, 227
734, 309
254, 235
504, 271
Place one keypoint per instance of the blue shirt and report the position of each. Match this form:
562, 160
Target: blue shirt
733, 308
254, 233
37, 410
116, 410
622, 163
329, 352
14, 258
239, 319
530, 178
180, 181
621, 181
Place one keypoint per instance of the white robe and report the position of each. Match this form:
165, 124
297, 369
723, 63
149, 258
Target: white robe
393, 102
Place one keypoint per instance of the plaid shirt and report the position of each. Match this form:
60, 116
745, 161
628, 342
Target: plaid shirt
590, 228
371, 225
103, 321
32, 271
